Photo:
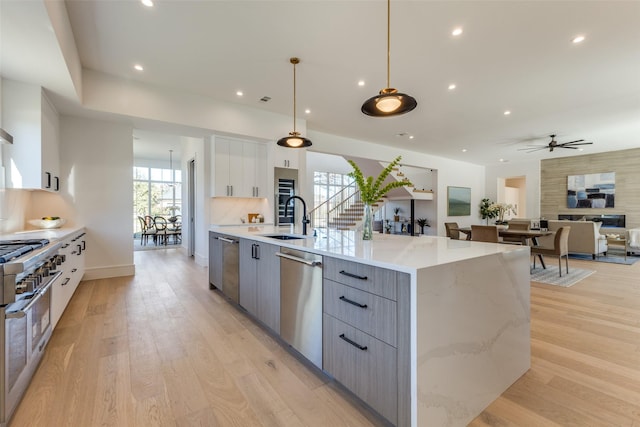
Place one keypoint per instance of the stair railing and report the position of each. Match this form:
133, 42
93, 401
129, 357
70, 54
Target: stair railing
320, 214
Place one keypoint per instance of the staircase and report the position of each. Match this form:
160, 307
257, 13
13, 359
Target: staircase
350, 217
343, 211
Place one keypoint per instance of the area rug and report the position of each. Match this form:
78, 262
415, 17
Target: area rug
550, 275
616, 259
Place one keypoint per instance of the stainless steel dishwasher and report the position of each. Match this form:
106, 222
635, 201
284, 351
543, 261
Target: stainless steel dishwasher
301, 302
230, 268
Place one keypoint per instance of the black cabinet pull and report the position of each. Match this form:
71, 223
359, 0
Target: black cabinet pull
353, 343
79, 249
66, 281
73, 271
257, 251
48, 179
57, 187
355, 276
357, 304
84, 245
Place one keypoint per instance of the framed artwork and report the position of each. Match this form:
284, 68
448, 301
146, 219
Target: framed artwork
458, 201
595, 190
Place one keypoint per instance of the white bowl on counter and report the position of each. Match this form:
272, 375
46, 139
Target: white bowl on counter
47, 223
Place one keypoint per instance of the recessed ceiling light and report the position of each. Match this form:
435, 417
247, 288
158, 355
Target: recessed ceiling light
456, 31
307, 111
506, 113
503, 160
411, 136
361, 83
147, 3
464, 150
578, 39
138, 67
452, 86
239, 93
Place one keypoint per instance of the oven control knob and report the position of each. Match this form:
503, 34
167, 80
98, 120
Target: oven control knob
21, 287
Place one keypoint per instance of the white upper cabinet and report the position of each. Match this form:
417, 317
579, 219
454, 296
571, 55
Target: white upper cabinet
34, 157
239, 168
287, 157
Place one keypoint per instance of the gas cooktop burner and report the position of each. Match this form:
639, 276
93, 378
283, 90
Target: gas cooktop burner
10, 249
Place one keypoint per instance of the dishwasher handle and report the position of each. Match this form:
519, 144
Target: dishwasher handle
224, 239
301, 260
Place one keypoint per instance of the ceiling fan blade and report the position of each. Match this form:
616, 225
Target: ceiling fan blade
579, 143
567, 146
572, 142
531, 150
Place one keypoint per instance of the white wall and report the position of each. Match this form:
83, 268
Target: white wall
96, 161
531, 172
449, 172
194, 149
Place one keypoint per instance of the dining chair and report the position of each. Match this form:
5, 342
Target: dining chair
145, 232
161, 229
485, 233
520, 226
560, 248
452, 230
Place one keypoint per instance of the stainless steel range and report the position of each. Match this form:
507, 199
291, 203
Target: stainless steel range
28, 269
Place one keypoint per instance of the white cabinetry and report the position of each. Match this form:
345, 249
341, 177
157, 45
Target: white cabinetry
30, 117
239, 168
73, 250
287, 157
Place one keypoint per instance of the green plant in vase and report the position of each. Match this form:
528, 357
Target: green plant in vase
422, 222
372, 190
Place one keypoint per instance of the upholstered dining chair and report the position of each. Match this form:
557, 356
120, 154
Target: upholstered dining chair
452, 230
560, 248
485, 233
526, 226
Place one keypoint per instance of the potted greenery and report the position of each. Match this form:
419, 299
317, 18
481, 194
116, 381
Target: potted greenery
422, 222
396, 211
372, 190
487, 209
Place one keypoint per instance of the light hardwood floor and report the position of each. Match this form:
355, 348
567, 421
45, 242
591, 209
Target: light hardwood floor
161, 349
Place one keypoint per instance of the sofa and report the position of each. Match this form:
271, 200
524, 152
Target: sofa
584, 238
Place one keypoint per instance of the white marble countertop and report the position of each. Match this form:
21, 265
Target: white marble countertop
52, 234
402, 253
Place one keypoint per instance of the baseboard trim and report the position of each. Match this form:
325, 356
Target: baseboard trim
109, 272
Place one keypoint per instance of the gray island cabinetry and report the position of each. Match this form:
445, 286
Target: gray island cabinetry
366, 334
426, 331
260, 282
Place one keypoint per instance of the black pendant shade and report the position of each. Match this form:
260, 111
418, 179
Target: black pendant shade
389, 103
294, 140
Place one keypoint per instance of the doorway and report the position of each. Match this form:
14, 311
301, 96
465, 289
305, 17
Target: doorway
513, 191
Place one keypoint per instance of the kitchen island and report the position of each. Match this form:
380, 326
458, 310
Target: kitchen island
460, 311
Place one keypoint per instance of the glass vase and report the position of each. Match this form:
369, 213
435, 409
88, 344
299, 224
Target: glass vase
367, 223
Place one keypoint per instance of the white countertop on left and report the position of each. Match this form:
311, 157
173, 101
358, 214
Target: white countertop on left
52, 234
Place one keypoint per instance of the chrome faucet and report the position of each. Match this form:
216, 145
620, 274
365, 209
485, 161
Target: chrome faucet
305, 218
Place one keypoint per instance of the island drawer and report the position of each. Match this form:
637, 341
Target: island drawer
363, 364
370, 313
379, 281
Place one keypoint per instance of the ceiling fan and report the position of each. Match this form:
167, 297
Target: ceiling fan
554, 144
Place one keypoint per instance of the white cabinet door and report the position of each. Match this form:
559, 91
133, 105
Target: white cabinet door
261, 171
249, 167
33, 121
228, 168
287, 157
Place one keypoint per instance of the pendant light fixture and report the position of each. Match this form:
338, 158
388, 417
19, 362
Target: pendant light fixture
389, 102
294, 140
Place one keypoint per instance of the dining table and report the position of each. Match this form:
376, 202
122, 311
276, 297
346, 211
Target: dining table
523, 235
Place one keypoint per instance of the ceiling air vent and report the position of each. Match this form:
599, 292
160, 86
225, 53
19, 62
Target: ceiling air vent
265, 99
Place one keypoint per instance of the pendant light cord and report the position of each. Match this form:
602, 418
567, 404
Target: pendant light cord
388, 43
294, 95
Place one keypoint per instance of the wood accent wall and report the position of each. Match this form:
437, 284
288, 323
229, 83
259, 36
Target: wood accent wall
626, 165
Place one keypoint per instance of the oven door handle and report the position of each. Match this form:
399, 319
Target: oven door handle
23, 311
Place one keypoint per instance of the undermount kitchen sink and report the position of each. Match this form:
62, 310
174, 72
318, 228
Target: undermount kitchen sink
285, 236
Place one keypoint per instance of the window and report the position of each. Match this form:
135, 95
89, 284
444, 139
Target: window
155, 194
329, 191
